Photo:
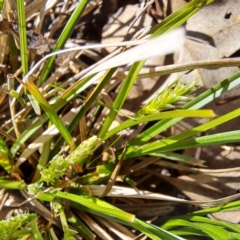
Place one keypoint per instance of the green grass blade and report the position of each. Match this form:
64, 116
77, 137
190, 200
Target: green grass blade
16, 185
157, 116
206, 126
153, 231
24, 48
188, 232
179, 17
152, 147
121, 97
202, 128
176, 157
23, 35
103, 209
97, 205
147, 229
81, 228
171, 223
5, 161
43, 160
234, 235
67, 96
67, 31
35, 230
86, 106
214, 139
31, 87
216, 233
227, 207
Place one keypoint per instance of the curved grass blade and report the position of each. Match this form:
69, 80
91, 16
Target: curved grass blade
31, 87
97, 205
188, 232
157, 116
153, 231
213, 231
151, 147
227, 207
65, 98
103, 209
223, 224
216, 233
145, 228
214, 139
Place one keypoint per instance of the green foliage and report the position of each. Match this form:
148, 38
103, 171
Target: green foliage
195, 224
58, 166
5, 161
67, 194
23, 35
14, 223
173, 93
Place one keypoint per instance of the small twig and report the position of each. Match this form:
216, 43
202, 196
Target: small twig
164, 70
114, 174
143, 9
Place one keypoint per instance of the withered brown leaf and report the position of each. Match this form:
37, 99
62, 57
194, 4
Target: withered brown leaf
37, 43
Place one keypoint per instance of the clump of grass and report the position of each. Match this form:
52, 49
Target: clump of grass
74, 185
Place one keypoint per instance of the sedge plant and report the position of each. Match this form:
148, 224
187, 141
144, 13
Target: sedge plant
68, 179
